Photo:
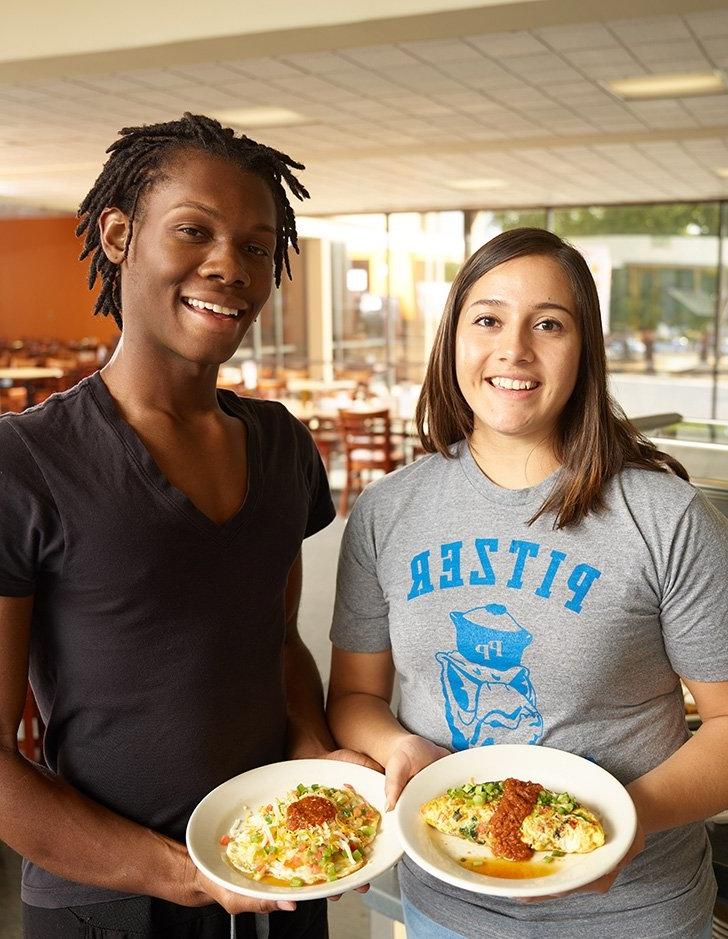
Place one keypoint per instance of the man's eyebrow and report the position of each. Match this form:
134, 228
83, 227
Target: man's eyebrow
213, 213
546, 305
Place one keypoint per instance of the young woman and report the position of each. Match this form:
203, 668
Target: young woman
150, 566
595, 573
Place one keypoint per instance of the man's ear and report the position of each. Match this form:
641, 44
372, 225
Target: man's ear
113, 233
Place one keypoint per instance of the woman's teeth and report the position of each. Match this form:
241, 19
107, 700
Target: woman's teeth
212, 307
513, 384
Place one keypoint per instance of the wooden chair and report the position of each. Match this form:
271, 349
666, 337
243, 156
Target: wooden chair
30, 737
325, 433
366, 438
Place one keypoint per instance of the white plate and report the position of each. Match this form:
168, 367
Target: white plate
555, 769
215, 814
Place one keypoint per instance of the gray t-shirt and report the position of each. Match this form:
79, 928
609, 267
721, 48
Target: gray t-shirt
504, 632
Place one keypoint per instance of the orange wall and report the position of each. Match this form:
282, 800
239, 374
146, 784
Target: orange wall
43, 292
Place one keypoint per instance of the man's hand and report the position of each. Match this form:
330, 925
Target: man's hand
198, 890
411, 755
604, 883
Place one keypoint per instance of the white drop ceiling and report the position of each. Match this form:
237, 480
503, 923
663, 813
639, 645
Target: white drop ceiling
389, 125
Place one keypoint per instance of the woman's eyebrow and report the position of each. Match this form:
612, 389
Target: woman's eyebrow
545, 305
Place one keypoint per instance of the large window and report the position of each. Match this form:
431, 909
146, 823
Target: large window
656, 269
391, 275
661, 272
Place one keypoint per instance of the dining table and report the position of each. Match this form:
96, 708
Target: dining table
28, 376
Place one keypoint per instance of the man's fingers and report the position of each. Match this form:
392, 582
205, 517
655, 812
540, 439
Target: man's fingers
234, 903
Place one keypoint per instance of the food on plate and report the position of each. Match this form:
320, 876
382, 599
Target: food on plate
311, 835
515, 818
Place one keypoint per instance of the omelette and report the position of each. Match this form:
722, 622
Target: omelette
311, 835
515, 818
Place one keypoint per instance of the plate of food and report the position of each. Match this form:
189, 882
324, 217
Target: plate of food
515, 821
297, 830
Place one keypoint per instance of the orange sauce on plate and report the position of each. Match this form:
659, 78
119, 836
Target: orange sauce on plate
510, 870
276, 882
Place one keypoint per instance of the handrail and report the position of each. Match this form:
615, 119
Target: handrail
653, 421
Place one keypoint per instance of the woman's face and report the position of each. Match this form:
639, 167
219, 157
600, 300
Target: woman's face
517, 350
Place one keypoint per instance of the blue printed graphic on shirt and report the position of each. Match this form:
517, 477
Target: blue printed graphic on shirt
547, 576
488, 693
489, 696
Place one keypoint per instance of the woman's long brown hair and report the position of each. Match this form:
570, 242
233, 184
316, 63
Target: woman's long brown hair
595, 440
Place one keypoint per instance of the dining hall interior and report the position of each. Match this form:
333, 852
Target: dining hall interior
426, 128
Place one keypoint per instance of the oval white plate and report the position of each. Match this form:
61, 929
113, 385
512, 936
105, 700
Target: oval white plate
215, 814
555, 769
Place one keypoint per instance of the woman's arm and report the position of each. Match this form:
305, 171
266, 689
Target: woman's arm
692, 784
689, 786
360, 691
53, 825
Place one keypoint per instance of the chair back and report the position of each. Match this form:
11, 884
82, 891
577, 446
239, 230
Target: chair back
367, 438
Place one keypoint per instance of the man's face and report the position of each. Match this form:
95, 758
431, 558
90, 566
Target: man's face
200, 263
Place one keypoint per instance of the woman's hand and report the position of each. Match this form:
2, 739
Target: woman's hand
604, 883
411, 754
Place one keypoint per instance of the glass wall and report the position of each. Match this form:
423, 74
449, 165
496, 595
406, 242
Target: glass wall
656, 269
390, 278
661, 272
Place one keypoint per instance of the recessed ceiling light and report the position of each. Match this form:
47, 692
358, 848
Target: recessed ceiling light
476, 183
260, 117
679, 85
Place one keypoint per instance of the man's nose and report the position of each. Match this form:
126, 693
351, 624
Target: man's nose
227, 264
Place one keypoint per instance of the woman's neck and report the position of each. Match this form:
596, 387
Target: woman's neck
513, 463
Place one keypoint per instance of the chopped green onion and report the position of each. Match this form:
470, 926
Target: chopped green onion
296, 882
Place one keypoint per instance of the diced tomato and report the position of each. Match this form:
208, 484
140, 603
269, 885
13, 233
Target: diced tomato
225, 839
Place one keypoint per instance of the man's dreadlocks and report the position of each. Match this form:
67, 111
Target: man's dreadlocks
136, 163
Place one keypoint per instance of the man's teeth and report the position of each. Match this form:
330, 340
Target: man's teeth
214, 307
513, 384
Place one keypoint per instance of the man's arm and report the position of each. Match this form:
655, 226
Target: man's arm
54, 826
309, 736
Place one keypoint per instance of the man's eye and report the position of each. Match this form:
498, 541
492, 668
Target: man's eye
190, 230
259, 251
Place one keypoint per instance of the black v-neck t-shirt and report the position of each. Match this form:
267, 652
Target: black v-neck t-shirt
157, 634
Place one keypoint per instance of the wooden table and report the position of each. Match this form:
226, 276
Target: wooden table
28, 376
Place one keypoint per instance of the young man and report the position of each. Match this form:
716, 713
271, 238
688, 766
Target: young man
150, 566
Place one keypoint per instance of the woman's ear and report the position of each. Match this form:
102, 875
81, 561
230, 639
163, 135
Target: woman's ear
113, 233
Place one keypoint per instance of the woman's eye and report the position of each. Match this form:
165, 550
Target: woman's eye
549, 326
487, 321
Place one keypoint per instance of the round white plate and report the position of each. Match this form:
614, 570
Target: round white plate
555, 769
215, 814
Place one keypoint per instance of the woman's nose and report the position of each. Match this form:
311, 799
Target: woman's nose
515, 344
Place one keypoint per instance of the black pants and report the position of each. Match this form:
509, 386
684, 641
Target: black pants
149, 918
